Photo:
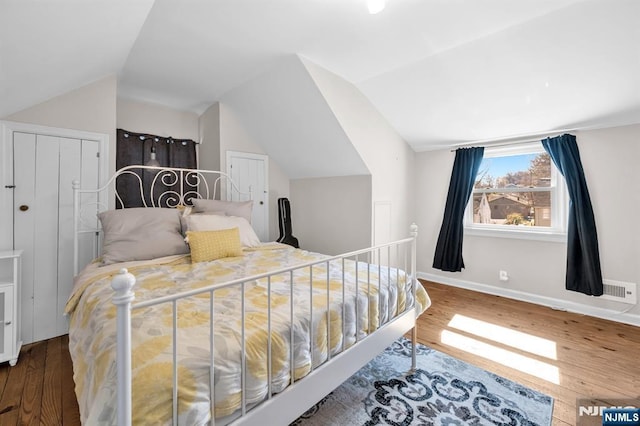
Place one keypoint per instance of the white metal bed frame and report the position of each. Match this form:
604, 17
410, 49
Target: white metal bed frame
285, 406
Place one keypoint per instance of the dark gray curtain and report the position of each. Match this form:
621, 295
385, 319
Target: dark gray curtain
448, 256
135, 149
583, 258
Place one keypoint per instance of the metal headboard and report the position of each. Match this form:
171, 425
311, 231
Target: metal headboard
174, 187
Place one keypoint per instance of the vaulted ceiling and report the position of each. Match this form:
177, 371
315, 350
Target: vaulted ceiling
442, 72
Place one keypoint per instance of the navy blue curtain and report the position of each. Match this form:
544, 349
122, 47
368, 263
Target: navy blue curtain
448, 256
583, 258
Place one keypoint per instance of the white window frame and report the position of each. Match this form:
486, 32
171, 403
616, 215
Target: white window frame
559, 202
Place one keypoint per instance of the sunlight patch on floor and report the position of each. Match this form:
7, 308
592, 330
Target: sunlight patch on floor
510, 359
506, 336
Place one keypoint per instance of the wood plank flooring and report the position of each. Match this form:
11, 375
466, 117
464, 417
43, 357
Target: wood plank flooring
39, 389
594, 358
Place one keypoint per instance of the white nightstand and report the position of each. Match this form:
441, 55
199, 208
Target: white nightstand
10, 270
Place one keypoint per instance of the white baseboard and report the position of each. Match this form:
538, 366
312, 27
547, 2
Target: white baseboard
579, 308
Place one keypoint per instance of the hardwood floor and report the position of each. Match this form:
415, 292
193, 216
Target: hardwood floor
39, 389
594, 358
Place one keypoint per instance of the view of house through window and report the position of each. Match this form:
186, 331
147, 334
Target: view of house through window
514, 190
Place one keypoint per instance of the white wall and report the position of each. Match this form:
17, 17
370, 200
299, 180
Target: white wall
388, 157
536, 268
142, 117
91, 108
235, 137
209, 149
283, 111
332, 215
96, 108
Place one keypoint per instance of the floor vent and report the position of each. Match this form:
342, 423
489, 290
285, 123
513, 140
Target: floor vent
620, 291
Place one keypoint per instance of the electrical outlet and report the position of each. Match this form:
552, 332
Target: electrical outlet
503, 276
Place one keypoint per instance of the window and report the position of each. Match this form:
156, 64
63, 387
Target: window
518, 193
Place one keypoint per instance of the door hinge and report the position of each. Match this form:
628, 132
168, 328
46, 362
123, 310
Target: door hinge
98, 154
9, 186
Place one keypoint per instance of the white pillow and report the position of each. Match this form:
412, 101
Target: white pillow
230, 208
210, 222
188, 211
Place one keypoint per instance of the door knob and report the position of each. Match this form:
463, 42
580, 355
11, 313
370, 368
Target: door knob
261, 202
23, 208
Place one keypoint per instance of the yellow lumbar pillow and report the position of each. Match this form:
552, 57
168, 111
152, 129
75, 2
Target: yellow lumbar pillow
211, 245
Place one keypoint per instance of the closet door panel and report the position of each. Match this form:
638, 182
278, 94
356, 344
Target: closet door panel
88, 243
46, 227
70, 170
24, 160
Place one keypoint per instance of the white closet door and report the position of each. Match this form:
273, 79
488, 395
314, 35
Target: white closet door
250, 171
44, 167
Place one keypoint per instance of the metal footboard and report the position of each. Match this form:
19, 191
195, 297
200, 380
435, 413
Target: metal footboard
394, 257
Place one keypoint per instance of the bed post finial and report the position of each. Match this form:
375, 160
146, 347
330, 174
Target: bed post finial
123, 284
413, 230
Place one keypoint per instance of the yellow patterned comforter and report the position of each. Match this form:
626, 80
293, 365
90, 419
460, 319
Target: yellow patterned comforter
92, 329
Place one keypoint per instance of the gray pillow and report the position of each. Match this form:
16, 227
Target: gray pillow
230, 208
141, 234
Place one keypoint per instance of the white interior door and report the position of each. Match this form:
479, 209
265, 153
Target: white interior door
44, 167
250, 172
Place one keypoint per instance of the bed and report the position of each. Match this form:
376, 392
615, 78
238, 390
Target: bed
239, 331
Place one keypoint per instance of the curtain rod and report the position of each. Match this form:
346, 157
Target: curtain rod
510, 140
156, 138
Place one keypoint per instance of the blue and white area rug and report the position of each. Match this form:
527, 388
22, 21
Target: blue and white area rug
443, 391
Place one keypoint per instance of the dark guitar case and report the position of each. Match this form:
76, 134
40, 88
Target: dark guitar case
284, 219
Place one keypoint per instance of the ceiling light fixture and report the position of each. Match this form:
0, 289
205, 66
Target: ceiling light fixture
376, 6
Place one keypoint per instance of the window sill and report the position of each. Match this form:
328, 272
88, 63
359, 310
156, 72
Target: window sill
549, 236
